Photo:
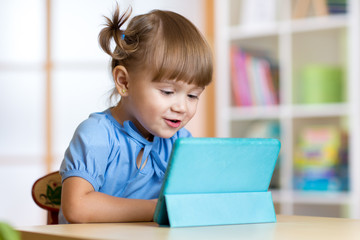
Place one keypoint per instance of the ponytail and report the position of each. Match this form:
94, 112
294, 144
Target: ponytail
112, 30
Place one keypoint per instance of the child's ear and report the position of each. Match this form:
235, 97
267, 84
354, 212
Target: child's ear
121, 79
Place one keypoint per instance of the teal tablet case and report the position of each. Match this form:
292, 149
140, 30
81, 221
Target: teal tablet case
218, 181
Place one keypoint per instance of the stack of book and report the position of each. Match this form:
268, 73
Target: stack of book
304, 8
337, 6
254, 79
320, 162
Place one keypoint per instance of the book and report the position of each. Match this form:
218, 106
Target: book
321, 7
245, 91
257, 85
253, 78
337, 6
235, 76
303, 8
269, 82
317, 163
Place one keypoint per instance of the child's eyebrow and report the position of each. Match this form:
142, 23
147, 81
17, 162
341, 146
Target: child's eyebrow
177, 82
168, 81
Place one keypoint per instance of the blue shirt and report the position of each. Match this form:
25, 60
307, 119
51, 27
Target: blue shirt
104, 153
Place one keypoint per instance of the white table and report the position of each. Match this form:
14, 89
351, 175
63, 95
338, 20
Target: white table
286, 228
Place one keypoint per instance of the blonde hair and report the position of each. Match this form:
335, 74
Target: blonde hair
163, 42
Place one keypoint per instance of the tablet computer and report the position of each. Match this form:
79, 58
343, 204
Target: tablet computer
217, 165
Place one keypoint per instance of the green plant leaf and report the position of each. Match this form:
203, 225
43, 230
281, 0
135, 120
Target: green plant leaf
56, 196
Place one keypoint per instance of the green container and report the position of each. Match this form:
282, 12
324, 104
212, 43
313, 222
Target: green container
321, 84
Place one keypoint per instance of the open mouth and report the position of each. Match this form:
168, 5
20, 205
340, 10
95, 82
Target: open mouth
173, 123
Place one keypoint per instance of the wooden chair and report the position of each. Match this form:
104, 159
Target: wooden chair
46, 192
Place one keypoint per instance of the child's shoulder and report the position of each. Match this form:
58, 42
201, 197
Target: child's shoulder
97, 124
95, 120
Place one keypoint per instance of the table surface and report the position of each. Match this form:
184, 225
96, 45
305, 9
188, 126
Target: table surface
286, 227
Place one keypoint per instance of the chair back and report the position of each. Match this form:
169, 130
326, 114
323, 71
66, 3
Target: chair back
46, 192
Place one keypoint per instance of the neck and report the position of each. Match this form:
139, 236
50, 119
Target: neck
121, 114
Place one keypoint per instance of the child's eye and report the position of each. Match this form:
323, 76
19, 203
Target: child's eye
166, 92
193, 96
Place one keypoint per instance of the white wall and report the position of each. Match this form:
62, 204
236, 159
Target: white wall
81, 80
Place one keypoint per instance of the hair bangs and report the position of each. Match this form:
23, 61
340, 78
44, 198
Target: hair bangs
180, 54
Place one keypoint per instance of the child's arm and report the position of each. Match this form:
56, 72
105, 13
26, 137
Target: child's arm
80, 204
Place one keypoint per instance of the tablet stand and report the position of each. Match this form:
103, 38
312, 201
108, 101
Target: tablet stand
185, 210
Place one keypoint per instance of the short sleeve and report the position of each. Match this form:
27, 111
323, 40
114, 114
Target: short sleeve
87, 154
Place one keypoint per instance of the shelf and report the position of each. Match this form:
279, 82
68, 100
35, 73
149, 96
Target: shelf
311, 197
295, 111
321, 197
294, 44
239, 32
257, 31
257, 112
319, 23
319, 110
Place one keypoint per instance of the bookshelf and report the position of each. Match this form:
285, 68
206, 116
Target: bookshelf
293, 43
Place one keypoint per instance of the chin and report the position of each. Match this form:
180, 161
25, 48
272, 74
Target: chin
166, 135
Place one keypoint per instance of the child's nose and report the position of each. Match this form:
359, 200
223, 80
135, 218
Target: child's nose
179, 105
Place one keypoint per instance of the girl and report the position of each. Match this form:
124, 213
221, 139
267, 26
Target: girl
114, 166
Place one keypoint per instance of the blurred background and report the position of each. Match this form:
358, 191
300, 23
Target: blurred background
53, 74
285, 69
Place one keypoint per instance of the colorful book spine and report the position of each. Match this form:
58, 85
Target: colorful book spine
255, 81
235, 76
245, 92
337, 6
269, 90
252, 79
319, 163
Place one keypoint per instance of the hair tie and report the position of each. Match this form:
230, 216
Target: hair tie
123, 36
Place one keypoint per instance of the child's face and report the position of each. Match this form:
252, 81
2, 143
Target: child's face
161, 108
